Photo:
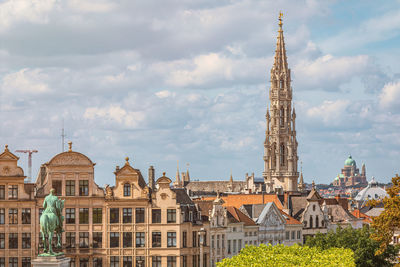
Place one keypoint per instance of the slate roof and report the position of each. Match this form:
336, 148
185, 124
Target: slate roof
182, 197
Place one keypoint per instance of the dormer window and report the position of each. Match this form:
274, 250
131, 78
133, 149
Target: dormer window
127, 190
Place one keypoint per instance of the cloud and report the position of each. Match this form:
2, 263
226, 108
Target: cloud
329, 72
25, 81
97, 6
329, 112
32, 11
390, 96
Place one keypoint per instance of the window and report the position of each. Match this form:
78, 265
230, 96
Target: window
70, 188
127, 240
184, 261
12, 240
212, 241
282, 155
84, 239
72, 262
83, 262
223, 241
127, 190
26, 216
2, 216
70, 215
70, 239
313, 207
114, 261
194, 261
2, 192
13, 216
140, 261
12, 262
97, 239
194, 236
2, 262
139, 215
156, 239
234, 246
171, 261
97, 215
114, 240
83, 187
184, 239
114, 215
97, 262
127, 215
127, 261
316, 221
26, 262
13, 191
171, 239
298, 234
281, 84
171, 215
2, 240
156, 215
287, 235
140, 240
83, 216
26, 240
156, 261
217, 241
57, 185
311, 224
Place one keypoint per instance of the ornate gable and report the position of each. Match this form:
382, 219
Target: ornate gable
271, 216
9, 164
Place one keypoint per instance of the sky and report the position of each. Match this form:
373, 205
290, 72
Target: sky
168, 81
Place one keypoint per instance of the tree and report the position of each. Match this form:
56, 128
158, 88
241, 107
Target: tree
359, 241
389, 220
280, 255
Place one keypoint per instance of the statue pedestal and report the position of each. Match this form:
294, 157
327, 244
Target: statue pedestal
51, 261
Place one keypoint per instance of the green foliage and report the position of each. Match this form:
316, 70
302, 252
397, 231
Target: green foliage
359, 241
280, 255
389, 220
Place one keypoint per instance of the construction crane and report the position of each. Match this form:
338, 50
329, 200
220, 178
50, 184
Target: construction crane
30, 152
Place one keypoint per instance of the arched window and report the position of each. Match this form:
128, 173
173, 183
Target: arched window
127, 190
311, 224
282, 117
313, 207
282, 155
316, 221
281, 84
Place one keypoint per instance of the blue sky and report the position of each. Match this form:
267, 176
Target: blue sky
188, 81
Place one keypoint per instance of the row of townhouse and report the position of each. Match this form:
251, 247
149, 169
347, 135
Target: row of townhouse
130, 224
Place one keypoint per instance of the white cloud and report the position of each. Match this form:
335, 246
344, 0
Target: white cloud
390, 96
328, 72
329, 112
25, 81
33, 11
115, 113
164, 94
97, 6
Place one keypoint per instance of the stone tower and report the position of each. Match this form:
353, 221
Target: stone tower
280, 146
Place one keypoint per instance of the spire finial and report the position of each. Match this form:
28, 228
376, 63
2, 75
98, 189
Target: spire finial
313, 185
164, 174
6, 148
127, 161
231, 178
70, 146
280, 18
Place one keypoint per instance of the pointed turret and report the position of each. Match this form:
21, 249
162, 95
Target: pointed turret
231, 178
280, 146
177, 183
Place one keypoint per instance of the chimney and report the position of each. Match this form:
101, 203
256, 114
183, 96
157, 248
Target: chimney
151, 178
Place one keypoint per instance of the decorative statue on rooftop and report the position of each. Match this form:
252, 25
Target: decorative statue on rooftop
51, 221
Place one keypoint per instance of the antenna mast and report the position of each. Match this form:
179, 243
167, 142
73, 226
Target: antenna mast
62, 136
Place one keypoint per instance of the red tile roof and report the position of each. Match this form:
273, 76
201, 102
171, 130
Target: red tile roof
240, 216
237, 200
289, 219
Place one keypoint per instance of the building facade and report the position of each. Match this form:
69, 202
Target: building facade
129, 224
280, 146
350, 174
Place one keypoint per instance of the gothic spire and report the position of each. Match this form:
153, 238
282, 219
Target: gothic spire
178, 178
280, 63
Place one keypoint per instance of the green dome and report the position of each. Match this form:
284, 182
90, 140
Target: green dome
350, 162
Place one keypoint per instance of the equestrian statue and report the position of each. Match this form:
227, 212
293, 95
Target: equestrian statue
51, 222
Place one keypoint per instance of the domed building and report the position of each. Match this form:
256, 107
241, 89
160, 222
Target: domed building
371, 192
350, 174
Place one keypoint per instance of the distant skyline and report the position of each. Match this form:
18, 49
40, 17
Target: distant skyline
188, 81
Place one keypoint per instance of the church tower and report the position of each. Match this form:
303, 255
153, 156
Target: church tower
280, 146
